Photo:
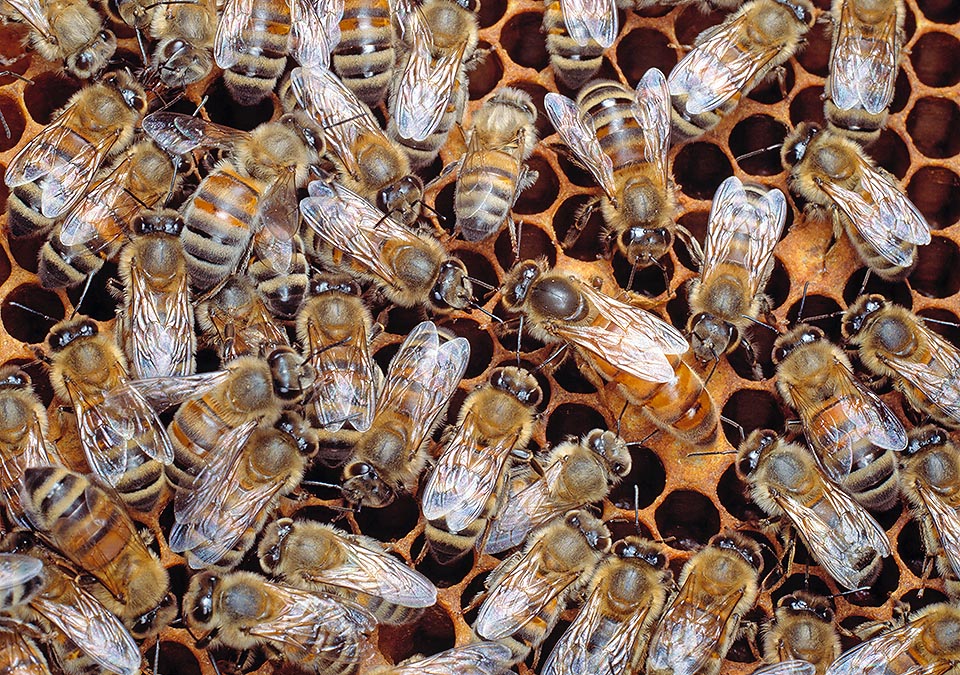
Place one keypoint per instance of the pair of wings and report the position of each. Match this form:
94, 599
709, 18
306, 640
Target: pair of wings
252, 330
481, 658
478, 195
33, 451
875, 656
946, 523
587, 20
736, 216
863, 67
651, 109
939, 378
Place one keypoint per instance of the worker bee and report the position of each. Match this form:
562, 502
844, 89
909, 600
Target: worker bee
53, 171
241, 610
254, 38
365, 57
577, 35
81, 519
530, 589
336, 328
95, 229
894, 342
785, 480
421, 378
745, 225
618, 342
833, 172
928, 642
930, 479
851, 431
185, 33
467, 485
122, 438
317, 557
409, 268
803, 629
623, 137
493, 173
480, 658
867, 42
70, 31
626, 596
429, 89
367, 161
717, 586
577, 472
729, 60
216, 527
283, 290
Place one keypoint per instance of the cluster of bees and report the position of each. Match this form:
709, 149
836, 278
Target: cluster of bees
271, 246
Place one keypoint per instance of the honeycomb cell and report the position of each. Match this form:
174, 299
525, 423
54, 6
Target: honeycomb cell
48, 93
15, 59
4, 190
644, 484
95, 299
816, 305
481, 271
29, 325
443, 202
491, 11
733, 495
12, 121
815, 56
899, 292
534, 243
651, 281
573, 172
485, 77
588, 244
222, 109
932, 124
881, 589
177, 658
25, 251
686, 519
755, 144
678, 309
937, 274
432, 632
699, 168
570, 379
641, 49
695, 223
572, 419
760, 341
940, 11
917, 599
778, 286
443, 576
522, 38
933, 190
540, 196
807, 106
392, 522
692, 21
751, 409
804, 581
620, 529
934, 59
890, 152
943, 322
776, 87
901, 92
4, 266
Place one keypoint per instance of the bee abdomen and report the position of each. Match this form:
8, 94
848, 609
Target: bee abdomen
142, 481
491, 196
65, 266
365, 56
421, 153
876, 486
23, 212
448, 547
572, 63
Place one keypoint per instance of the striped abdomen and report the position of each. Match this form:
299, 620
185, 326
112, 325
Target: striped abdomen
880, 266
365, 56
485, 192
610, 106
573, 64
264, 59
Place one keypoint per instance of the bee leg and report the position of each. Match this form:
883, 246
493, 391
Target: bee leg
749, 631
751, 354
580, 220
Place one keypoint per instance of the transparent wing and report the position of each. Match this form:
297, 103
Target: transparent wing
103, 201
179, 134
651, 108
580, 136
481, 658
939, 378
794, 667
34, 451
480, 193
946, 521
863, 69
524, 510
873, 656
161, 339
314, 30
16, 570
345, 389
236, 18
586, 19
163, 393
32, 13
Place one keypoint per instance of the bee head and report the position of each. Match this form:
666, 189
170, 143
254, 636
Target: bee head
94, 57
517, 382
710, 336
800, 602
796, 146
612, 448
803, 11
321, 284
14, 378
644, 245
859, 313
641, 549
290, 374
517, 287
453, 289
592, 529
274, 542
302, 434
363, 485
65, 333
748, 457
179, 63
802, 335
928, 436
745, 548
163, 221
398, 197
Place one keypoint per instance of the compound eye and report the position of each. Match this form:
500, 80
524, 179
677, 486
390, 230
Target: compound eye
359, 469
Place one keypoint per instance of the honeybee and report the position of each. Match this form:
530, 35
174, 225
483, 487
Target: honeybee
480, 658
745, 224
623, 137
84, 523
236, 320
851, 431
317, 557
841, 536
867, 41
577, 35
23, 430
254, 38
122, 438
53, 171
618, 342
96, 228
20, 655
803, 629
578, 472
429, 90
185, 34
627, 594
895, 343
467, 485
315, 631
717, 586
408, 267
729, 60
365, 57
833, 172
283, 290
336, 328
493, 173
928, 642
216, 527
530, 589
930, 479
70, 31
421, 378
367, 161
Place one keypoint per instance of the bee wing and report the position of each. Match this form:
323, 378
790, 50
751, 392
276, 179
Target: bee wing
520, 595
863, 69
481, 192
33, 14
103, 201
345, 389
524, 510
793, 667
163, 393
179, 134
97, 632
586, 19
873, 656
16, 570
35, 451
835, 545
651, 108
481, 658
314, 30
946, 521
236, 18
636, 341
938, 379
161, 339
579, 134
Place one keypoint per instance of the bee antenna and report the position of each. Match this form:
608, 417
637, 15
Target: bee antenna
759, 323
927, 319
440, 216
759, 151
156, 658
716, 362
866, 278
481, 284
824, 316
620, 416
86, 287
519, 236
643, 440
33, 311
519, 337
736, 425
636, 506
803, 301
850, 592
711, 452
557, 352
488, 313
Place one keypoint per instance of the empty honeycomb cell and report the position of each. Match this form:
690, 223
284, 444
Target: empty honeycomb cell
678, 309
508, 334
934, 59
485, 76
692, 21
443, 201
534, 243
695, 223
621, 528
943, 322
940, 11
569, 378
937, 274
490, 12
751, 409
177, 658
539, 196
650, 281
733, 496
572, 419
523, 40
890, 152
902, 92
222, 109
816, 305
572, 170
899, 292
641, 49
4, 190
30, 325
25, 251
910, 549
481, 344
932, 124
801, 581
760, 342
443, 576
13, 57
933, 190
12, 123
4, 266
743, 650
778, 286
881, 589
814, 57
686, 519
431, 633
96, 300
392, 522
645, 482
807, 106
588, 245
775, 87
751, 141
699, 168
48, 93
481, 271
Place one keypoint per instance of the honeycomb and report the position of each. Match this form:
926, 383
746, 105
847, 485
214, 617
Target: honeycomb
681, 499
